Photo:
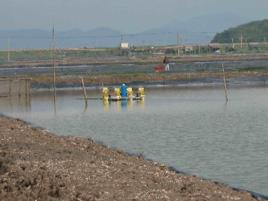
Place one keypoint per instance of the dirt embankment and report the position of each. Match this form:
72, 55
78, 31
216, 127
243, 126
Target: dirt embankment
46, 81
74, 61
37, 165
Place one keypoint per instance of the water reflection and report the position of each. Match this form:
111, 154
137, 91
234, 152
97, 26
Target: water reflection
24, 104
106, 105
123, 105
15, 104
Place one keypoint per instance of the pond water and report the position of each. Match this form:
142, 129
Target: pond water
193, 130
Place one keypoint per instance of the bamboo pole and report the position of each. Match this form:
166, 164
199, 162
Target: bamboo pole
10, 88
84, 90
19, 81
26, 88
29, 93
29, 87
225, 86
54, 65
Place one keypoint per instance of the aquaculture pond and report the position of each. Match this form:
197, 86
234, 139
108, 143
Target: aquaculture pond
193, 130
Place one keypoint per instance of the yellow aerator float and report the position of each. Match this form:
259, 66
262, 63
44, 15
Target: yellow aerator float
123, 93
141, 92
117, 93
129, 92
105, 94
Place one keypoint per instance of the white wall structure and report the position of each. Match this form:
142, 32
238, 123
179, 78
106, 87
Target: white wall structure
124, 45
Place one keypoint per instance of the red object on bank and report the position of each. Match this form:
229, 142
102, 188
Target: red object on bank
159, 69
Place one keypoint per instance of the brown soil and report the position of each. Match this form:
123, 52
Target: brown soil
72, 61
130, 78
37, 165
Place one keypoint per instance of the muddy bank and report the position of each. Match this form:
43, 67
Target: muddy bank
38, 165
199, 78
151, 59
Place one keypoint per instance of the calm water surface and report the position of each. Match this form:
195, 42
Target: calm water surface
190, 129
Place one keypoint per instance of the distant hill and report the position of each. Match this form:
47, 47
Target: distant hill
195, 30
198, 30
256, 31
99, 37
36, 38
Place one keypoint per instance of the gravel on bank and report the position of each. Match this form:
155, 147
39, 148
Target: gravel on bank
38, 165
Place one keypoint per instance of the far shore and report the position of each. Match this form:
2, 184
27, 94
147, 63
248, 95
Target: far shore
156, 59
190, 79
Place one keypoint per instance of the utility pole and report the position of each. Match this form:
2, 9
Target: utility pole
8, 50
178, 43
241, 41
233, 45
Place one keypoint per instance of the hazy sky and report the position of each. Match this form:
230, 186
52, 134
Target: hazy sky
124, 15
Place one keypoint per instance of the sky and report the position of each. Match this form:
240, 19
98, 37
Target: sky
129, 16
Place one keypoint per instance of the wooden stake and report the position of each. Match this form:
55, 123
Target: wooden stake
84, 90
25, 88
19, 87
10, 87
27, 92
225, 86
54, 64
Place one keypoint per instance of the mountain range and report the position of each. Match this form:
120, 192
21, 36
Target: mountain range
199, 30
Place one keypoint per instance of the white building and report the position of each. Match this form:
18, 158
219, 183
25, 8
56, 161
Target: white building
124, 45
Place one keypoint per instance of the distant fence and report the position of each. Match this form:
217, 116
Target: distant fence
15, 87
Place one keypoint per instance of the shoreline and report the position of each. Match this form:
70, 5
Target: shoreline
167, 78
187, 86
182, 80
36, 164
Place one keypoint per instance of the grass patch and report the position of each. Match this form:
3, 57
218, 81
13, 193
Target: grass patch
254, 69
